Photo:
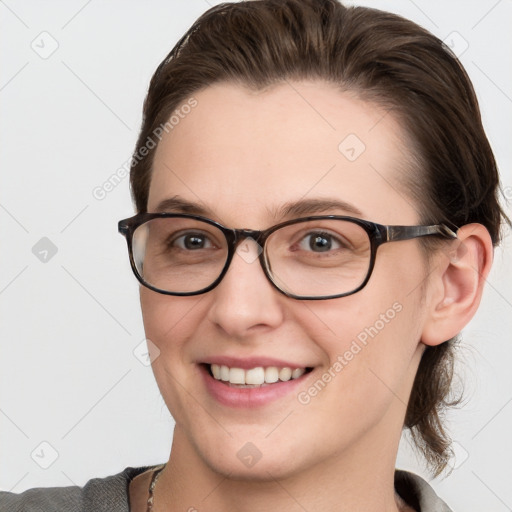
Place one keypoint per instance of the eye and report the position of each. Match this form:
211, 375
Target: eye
192, 241
319, 242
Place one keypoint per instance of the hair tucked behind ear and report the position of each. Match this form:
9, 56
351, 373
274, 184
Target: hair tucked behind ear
383, 59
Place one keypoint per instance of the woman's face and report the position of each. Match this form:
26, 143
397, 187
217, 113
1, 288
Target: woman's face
242, 158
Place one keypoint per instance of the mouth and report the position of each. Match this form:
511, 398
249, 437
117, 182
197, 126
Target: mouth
256, 385
256, 377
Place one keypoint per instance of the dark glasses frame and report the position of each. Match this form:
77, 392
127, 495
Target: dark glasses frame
378, 234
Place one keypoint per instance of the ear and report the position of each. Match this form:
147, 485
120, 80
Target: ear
457, 282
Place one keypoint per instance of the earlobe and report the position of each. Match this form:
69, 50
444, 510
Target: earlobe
459, 277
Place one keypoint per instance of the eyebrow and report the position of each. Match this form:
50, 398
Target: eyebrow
318, 205
179, 205
291, 209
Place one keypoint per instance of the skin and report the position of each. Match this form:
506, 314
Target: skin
243, 154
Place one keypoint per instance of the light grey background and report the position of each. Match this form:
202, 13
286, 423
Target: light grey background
71, 327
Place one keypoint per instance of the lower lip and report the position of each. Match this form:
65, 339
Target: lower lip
248, 397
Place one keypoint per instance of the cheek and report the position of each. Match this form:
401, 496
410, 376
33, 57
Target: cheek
371, 340
370, 370
384, 311
169, 323
168, 319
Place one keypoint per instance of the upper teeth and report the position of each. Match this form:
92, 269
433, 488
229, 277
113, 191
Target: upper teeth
257, 376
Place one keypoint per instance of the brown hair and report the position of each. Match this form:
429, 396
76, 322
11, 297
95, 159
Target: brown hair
382, 58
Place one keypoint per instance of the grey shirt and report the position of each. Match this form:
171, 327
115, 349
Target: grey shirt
110, 494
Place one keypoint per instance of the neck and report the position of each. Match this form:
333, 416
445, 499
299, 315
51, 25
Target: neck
345, 482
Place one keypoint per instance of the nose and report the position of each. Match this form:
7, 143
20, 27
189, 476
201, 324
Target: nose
245, 302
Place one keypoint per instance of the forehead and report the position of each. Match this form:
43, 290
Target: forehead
242, 154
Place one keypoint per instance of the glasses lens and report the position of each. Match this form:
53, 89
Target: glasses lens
318, 258
179, 255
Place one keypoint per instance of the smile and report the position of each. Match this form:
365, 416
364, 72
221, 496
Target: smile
254, 377
253, 382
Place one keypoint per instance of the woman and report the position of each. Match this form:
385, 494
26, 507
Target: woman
345, 147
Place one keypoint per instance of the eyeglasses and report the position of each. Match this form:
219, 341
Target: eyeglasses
313, 258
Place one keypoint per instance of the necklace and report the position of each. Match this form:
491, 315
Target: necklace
154, 480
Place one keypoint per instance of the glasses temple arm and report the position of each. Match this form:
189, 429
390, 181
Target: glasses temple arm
408, 232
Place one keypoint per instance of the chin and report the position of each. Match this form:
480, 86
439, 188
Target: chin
261, 471
251, 458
